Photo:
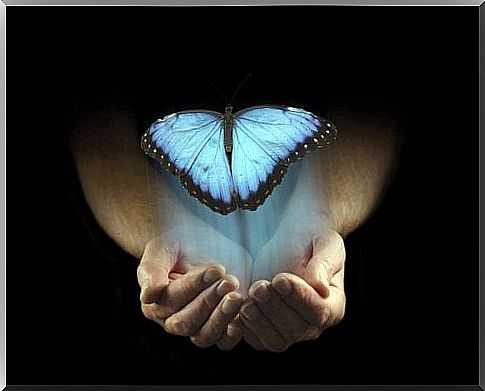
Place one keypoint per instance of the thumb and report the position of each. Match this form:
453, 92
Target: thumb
317, 275
156, 263
327, 259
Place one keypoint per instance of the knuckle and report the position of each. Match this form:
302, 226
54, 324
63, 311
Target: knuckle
150, 312
147, 312
154, 311
206, 339
169, 328
186, 324
175, 325
202, 342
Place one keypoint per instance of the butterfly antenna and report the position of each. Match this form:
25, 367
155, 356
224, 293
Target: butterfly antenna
238, 88
212, 85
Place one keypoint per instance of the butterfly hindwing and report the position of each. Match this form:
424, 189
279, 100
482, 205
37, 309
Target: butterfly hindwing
210, 179
191, 144
266, 140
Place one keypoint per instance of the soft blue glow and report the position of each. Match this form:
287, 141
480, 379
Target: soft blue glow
251, 245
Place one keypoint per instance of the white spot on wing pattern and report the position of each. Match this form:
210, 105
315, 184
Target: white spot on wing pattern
265, 138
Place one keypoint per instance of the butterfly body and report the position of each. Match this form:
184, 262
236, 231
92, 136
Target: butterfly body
233, 160
228, 125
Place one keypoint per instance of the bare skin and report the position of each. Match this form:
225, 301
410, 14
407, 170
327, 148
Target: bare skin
309, 298
198, 298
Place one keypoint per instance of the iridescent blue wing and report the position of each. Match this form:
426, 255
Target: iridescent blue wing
266, 140
191, 144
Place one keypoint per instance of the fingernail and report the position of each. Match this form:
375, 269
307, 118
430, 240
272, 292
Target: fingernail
230, 306
283, 286
250, 311
262, 293
211, 275
224, 287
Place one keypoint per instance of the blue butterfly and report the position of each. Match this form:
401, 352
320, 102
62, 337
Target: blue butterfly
234, 160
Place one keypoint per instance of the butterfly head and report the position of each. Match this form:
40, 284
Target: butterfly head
228, 110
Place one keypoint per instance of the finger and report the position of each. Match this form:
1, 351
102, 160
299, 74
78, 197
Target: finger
335, 251
252, 340
158, 259
190, 318
327, 259
289, 323
300, 296
215, 327
337, 280
232, 335
261, 327
336, 300
183, 290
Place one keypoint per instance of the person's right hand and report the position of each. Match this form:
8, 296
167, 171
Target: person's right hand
188, 299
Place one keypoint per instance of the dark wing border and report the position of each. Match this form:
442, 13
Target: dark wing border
169, 166
205, 198
326, 135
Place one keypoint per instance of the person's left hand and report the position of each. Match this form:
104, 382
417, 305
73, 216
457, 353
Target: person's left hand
300, 302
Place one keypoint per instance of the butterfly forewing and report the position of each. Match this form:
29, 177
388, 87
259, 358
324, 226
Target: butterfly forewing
191, 144
266, 140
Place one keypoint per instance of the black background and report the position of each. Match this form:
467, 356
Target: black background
411, 271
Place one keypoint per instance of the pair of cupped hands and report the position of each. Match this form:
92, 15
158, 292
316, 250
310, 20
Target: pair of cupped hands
299, 295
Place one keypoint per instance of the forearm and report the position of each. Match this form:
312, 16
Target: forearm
118, 184
358, 168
